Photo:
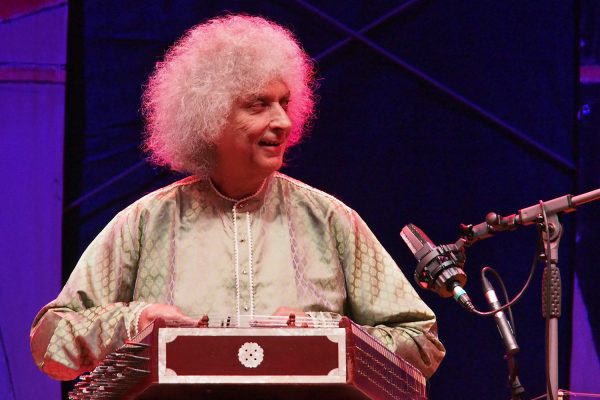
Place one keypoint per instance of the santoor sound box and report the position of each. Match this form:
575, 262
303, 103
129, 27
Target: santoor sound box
265, 359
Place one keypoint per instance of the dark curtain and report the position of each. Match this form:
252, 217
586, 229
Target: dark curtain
588, 235
387, 143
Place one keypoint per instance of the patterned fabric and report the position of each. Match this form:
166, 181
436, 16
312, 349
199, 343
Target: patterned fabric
186, 245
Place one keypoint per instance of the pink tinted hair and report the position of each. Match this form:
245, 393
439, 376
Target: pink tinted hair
190, 94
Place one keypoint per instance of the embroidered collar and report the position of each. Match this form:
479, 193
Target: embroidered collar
248, 203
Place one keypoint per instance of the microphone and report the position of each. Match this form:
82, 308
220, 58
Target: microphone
439, 268
506, 331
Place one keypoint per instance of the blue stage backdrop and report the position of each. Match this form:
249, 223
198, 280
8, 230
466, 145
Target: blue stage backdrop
491, 129
33, 47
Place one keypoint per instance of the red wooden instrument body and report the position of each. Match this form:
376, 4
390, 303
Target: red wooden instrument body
283, 362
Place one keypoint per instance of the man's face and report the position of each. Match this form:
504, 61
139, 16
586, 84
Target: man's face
254, 140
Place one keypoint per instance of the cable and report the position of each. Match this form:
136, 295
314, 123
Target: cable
521, 292
504, 292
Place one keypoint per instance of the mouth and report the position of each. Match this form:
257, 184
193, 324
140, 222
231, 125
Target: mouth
269, 143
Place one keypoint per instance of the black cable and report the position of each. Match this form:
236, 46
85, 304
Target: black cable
521, 292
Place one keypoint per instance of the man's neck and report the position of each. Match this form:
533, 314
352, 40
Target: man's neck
236, 188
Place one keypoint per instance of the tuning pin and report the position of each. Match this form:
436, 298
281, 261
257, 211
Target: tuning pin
136, 372
203, 323
291, 322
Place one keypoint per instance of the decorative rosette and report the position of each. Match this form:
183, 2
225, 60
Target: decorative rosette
251, 355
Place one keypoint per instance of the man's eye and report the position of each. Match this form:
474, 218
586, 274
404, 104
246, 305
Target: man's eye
285, 104
257, 105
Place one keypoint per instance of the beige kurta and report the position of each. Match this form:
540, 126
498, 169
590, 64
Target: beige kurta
186, 245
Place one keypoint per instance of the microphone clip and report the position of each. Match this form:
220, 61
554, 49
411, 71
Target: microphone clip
441, 276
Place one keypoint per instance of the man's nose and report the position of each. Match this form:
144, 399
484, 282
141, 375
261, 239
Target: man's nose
279, 118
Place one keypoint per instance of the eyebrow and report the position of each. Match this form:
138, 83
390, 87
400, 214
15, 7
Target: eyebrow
263, 97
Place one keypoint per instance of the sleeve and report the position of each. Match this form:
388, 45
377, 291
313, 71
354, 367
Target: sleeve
382, 300
93, 315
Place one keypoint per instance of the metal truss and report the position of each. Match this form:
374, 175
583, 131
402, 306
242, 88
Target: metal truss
503, 127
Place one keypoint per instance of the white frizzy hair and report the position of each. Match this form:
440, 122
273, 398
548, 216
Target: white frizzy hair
190, 95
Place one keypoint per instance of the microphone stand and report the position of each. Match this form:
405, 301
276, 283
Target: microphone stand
516, 389
551, 286
551, 301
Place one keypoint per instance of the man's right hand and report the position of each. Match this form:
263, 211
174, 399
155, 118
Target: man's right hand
164, 311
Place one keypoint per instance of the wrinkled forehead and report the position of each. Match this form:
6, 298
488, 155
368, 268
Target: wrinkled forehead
274, 90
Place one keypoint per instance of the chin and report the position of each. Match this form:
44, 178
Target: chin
267, 168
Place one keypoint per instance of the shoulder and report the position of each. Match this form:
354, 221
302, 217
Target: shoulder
155, 207
174, 190
165, 197
306, 195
